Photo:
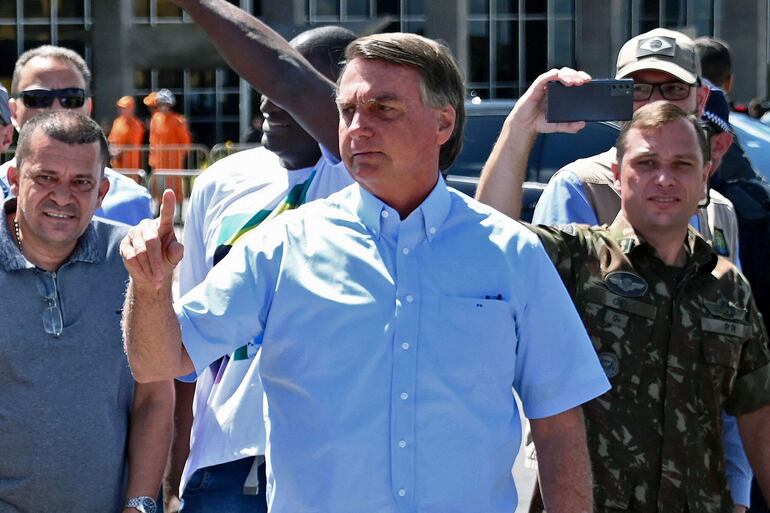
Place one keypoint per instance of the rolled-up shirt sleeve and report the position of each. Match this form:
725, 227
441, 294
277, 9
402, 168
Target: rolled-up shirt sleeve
751, 390
556, 365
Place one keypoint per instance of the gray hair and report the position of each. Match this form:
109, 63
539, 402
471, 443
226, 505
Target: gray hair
441, 81
57, 53
65, 126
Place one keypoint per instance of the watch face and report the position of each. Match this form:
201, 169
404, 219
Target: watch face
148, 505
142, 504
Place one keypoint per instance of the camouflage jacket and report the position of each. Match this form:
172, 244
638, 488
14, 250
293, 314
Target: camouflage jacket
679, 345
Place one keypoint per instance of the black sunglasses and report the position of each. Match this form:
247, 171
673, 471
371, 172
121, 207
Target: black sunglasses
69, 98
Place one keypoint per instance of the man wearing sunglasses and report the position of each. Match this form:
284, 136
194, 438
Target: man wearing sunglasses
52, 77
71, 412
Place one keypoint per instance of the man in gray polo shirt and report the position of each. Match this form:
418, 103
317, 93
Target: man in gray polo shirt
78, 434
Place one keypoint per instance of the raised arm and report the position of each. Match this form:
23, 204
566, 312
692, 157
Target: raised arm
153, 338
267, 61
503, 175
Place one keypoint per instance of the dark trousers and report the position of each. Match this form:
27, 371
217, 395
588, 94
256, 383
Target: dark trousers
758, 502
220, 488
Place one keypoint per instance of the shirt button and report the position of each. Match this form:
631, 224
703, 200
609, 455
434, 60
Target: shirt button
404, 396
384, 213
402, 443
405, 346
409, 298
405, 251
401, 492
432, 230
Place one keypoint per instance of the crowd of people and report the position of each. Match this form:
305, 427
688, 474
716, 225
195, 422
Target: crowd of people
168, 135
349, 332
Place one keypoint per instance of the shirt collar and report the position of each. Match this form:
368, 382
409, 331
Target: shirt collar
12, 259
434, 210
699, 252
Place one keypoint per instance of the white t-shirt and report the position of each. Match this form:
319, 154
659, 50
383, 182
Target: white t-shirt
228, 419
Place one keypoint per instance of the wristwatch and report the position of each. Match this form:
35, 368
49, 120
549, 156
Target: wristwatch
142, 504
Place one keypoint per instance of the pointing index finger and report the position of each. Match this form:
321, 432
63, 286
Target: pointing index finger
167, 208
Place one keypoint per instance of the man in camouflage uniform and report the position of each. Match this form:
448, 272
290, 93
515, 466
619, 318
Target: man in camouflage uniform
674, 325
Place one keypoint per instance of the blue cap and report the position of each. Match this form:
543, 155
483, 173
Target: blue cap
717, 112
5, 110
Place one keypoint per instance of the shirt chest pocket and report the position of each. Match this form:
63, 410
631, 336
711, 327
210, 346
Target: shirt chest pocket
721, 344
723, 337
723, 341
475, 342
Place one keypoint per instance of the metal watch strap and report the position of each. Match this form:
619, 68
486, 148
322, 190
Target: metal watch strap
143, 503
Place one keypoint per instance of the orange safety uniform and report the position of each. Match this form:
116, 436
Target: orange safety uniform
126, 131
168, 128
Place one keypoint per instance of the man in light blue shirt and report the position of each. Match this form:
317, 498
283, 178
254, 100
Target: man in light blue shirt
394, 318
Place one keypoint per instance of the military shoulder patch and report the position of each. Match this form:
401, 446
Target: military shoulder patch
569, 229
626, 283
610, 364
720, 243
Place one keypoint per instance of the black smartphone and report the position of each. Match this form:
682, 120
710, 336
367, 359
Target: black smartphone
597, 100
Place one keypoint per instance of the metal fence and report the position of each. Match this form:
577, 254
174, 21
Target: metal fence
197, 158
194, 156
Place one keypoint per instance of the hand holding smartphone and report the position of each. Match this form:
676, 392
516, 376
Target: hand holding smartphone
597, 100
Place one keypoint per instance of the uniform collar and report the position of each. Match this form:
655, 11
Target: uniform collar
699, 252
607, 158
11, 258
434, 210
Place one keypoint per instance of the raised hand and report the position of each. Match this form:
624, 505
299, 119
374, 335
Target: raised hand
150, 250
529, 111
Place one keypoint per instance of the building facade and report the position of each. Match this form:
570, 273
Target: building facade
136, 46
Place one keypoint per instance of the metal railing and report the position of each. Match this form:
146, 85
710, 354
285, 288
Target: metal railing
194, 156
197, 158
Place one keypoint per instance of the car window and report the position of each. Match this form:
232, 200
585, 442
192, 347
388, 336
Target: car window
481, 132
754, 138
480, 135
560, 149
550, 152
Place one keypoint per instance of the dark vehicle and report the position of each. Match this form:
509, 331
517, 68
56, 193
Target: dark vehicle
754, 137
549, 154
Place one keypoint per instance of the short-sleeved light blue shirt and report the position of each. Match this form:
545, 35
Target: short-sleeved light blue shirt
389, 348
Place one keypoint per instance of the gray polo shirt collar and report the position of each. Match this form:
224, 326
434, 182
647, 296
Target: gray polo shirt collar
11, 258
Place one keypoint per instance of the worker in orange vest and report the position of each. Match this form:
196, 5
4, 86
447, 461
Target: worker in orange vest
168, 128
127, 130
